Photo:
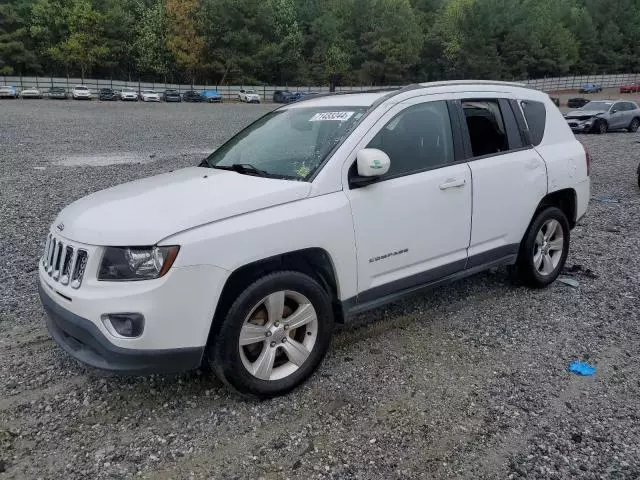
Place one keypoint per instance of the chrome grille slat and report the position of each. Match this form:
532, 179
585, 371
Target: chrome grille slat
51, 255
63, 262
45, 254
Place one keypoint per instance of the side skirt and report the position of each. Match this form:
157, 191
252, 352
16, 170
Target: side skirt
379, 296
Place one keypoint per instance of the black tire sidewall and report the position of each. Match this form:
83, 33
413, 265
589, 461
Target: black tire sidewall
635, 123
599, 128
226, 355
525, 261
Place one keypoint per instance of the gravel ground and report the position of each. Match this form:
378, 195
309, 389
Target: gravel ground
468, 381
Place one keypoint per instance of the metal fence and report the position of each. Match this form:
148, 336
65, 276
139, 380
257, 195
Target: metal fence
230, 92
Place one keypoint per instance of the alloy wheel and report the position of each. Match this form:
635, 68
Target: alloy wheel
278, 335
548, 247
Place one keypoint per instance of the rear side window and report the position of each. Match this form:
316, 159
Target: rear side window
536, 115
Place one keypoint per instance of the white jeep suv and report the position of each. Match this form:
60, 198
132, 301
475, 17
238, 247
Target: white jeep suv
321, 209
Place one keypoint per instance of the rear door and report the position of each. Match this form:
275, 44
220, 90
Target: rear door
509, 176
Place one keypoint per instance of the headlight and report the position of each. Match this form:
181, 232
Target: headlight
136, 263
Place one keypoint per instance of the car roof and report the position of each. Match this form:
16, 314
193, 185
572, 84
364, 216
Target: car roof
369, 98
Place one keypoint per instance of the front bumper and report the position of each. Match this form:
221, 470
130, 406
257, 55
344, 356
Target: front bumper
81, 339
178, 310
580, 126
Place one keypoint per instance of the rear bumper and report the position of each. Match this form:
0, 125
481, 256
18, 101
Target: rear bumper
81, 339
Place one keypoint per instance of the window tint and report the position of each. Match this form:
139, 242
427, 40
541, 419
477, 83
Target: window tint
535, 114
416, 139
630, 106
486, 127
618, 107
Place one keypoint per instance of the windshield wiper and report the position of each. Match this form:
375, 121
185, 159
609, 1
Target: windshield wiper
242, 168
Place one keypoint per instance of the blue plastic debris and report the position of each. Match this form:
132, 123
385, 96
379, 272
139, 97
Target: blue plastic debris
581, 368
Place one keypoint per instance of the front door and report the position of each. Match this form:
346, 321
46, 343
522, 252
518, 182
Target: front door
412, 226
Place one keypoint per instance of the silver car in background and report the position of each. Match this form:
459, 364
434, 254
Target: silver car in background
601, 116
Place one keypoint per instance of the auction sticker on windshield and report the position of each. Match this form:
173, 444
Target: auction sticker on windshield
331, 116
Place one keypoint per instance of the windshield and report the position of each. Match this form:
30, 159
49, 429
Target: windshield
128, 90
597, 106
290, 143
82, 88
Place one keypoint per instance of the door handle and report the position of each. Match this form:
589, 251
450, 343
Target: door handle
453, 183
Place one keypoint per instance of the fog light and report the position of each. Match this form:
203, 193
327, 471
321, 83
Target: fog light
125, 324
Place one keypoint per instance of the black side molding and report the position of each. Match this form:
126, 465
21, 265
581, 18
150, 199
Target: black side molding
378, 296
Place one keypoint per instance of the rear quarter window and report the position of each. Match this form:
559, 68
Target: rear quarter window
536, 115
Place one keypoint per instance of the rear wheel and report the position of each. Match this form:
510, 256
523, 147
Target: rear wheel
274, 335
544, 248
633, 126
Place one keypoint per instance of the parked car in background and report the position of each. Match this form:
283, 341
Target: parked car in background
601, 116
248, 96
31, 93
631, 88
58, 93
107, 95
149, 96
81, 92
591, 88
192, 96
211, 96
284, 96
577, 102
246, 267
302, 95
171, 95
8, 92
129, 94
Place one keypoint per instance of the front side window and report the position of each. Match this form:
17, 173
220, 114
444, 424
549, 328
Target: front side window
289, 143
417, 139
486, 127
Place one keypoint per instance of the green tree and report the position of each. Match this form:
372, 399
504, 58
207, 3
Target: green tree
16, 50
183, 39
152, 54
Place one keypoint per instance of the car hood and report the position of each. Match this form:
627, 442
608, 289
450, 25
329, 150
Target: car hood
584, 113
145, 211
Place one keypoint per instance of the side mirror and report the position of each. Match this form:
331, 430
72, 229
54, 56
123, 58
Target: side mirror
371, 164
615, 110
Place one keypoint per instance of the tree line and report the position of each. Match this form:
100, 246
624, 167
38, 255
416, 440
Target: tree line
289, 42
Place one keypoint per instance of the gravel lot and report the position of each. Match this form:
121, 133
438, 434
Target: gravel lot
468, 381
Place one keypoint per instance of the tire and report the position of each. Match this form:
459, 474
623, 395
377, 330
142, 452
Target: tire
533, 267
633, 126
601, 127
294, 294
639, 180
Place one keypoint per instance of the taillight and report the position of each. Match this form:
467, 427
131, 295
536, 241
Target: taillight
587, 159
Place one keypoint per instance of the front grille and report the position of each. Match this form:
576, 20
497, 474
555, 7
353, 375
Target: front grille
64, 263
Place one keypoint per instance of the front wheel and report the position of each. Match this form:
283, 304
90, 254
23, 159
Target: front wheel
601, 127
633, 126
544, 248
274, 335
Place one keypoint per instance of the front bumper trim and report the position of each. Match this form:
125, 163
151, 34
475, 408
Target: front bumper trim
82, 339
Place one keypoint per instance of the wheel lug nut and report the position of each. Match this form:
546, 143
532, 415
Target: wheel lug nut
277, 324
268, 334
273, 344
286, 327
284, 340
